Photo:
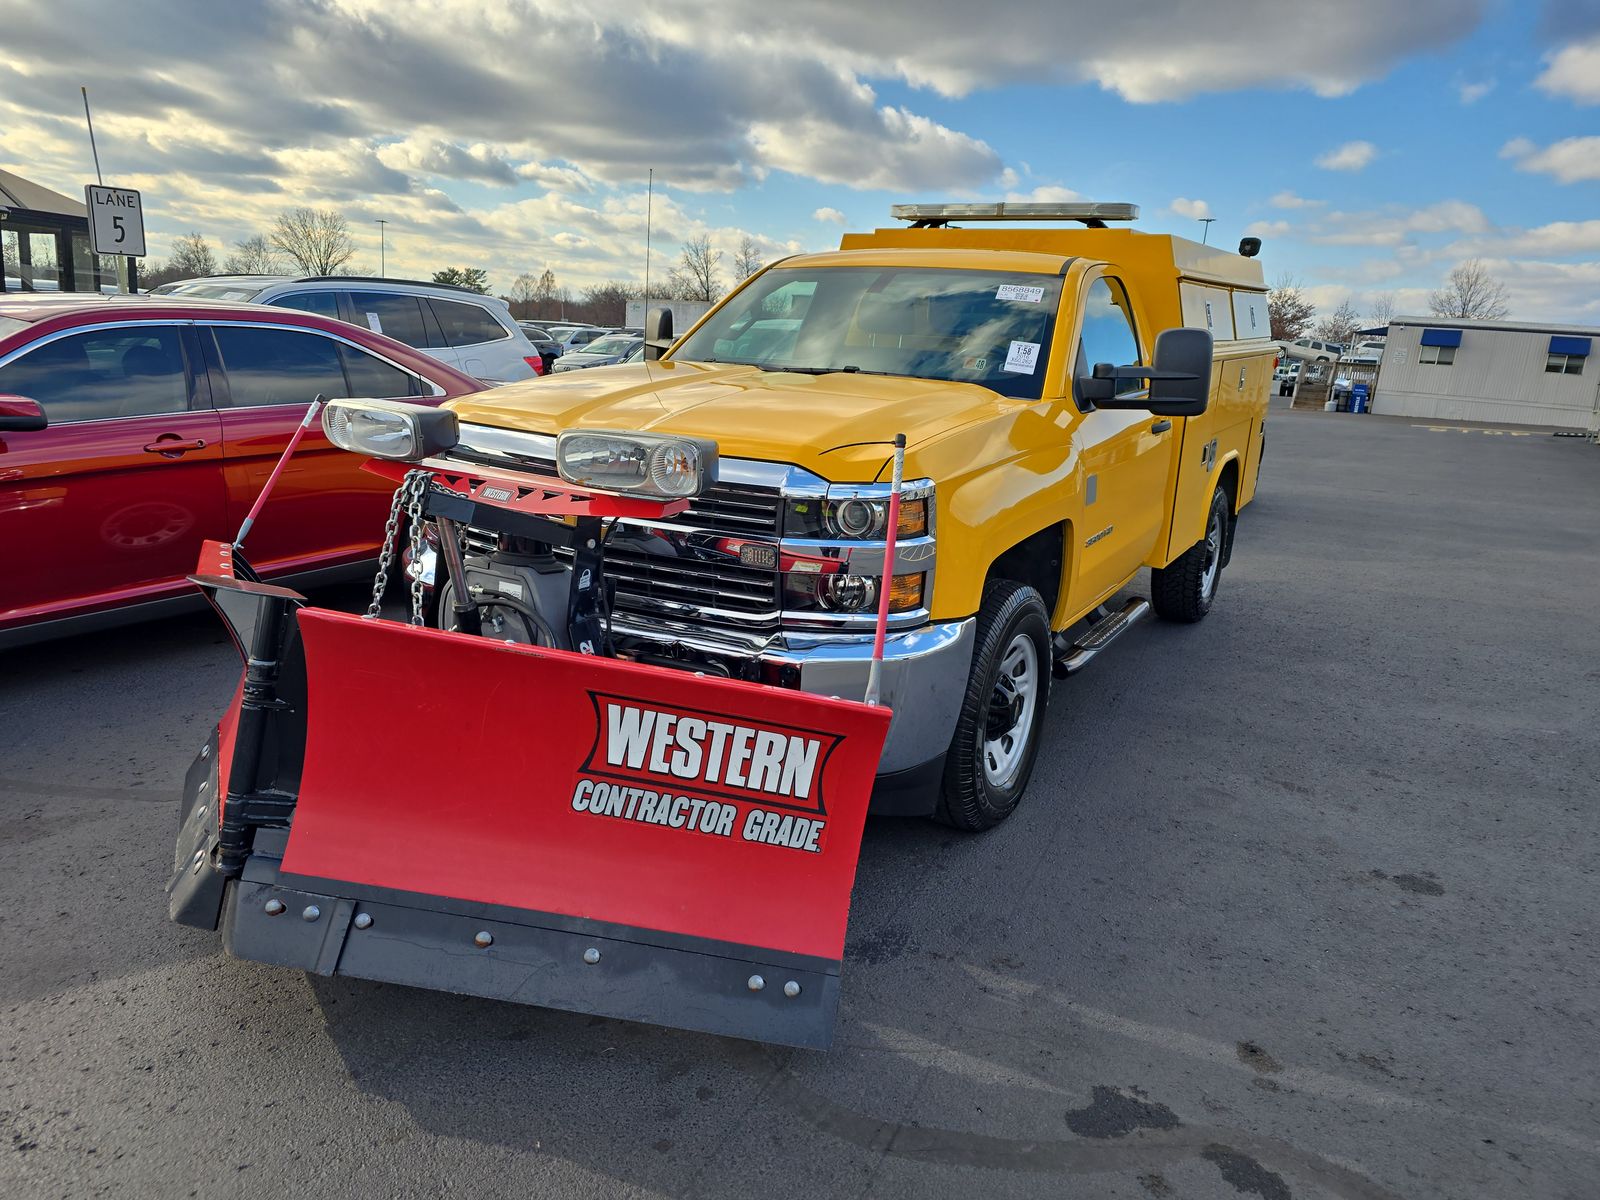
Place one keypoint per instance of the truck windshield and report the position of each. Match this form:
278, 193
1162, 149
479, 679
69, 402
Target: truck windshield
991, 328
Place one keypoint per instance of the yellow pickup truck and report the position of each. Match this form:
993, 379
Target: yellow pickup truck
1079, 401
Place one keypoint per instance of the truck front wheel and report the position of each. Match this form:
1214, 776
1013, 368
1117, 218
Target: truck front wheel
997, 735
1183, 591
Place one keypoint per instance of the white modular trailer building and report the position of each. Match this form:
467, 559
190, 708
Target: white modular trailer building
1508, 372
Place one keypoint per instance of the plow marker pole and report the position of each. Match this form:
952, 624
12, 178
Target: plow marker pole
283, 461
875, 671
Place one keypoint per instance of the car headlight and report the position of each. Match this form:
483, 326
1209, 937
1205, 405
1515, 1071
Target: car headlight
390, 428
649, 463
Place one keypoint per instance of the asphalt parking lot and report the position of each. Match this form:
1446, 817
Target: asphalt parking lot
1301, 904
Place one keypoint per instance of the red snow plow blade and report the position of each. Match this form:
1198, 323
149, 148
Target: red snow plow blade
586, 833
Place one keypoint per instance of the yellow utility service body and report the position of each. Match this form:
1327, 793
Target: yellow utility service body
1040, 491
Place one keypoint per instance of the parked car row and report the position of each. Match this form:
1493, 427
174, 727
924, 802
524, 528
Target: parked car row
133, 428
472, 332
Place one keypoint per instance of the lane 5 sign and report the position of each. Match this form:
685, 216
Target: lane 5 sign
116, 220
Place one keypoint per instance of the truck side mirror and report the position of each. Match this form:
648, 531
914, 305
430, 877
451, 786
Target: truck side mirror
1180, 379
18, 414
1182, 386
657, 333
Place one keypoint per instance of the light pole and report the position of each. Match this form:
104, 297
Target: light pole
383, 265
1205, 224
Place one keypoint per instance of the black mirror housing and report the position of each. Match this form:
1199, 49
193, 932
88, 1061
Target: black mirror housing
18, 414
657, 333
1180, 380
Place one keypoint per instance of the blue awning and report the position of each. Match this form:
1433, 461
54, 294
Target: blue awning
1441, 337
1576, 346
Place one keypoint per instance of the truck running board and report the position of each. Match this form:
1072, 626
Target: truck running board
1072, 657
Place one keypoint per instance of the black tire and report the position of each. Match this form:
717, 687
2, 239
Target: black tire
980, 791
1184, 591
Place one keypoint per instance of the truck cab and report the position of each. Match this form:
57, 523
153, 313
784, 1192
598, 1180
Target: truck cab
1079, 403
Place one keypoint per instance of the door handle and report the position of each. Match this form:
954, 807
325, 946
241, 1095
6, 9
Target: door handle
172, 446
1161, 426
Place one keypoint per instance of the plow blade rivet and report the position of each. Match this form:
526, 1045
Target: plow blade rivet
311, 912
756, 983
200, 813
274, 907
363, 920
483, 940
591, 956
204, 784
791, 989
205, 751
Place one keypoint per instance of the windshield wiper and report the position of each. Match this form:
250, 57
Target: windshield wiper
794, 370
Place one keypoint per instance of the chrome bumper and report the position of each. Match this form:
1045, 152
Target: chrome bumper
924, 675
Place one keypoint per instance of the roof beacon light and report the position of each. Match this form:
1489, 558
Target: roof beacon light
1088, 211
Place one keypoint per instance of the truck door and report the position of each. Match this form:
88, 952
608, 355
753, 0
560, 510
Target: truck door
1125, 454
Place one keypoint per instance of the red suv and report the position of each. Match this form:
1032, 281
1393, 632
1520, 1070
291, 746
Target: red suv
132, 428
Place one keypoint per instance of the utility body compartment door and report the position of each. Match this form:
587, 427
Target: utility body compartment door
1228, 431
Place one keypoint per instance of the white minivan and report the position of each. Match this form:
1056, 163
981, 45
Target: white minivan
471, 332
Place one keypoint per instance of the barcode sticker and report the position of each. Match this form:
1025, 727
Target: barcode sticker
373, 323
1015, 291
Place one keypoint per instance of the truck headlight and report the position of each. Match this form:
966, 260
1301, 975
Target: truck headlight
650, 463
856, 518
390, 428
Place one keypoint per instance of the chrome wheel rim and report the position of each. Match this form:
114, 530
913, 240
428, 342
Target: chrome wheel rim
1011, 707
1213, 567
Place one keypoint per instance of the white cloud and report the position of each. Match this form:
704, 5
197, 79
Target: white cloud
1471, 93
1195, 210
1567, 161
1573, 72
832, 215
434, 156
1352, 156
1045, 193
1268, 229
1399, 227
1290, 200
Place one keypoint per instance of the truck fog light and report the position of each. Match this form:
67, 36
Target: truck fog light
847, 593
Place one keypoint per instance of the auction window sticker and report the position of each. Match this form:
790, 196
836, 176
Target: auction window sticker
1016, 291
373, 323
1022, 357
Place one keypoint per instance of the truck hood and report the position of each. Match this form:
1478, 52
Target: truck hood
834, 425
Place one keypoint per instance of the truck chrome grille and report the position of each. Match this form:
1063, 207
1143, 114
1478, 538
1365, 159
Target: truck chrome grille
681, 567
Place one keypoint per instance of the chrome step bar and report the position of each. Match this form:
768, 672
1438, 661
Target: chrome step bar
1072, 657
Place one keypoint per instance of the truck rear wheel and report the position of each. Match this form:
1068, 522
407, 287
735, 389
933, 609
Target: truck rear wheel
1183, 591
997, 734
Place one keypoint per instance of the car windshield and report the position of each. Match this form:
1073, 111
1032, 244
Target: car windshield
990, 328
608, 345
219, 291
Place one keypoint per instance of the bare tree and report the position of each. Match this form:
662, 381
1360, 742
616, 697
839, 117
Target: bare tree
523, 290
317, 239
1288, 309
1340, 325
746, 259
607, 303
192, 256
1470, 292
695, 277
253, 255
1382, 309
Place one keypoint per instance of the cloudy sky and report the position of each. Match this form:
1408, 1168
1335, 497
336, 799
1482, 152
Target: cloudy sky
1371, 144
